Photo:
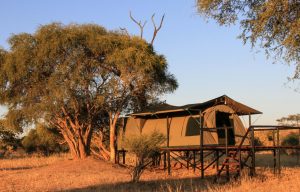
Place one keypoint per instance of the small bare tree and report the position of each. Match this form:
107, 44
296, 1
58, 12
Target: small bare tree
144, 147
141, 25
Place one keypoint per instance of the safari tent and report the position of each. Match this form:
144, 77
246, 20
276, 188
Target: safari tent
181, 124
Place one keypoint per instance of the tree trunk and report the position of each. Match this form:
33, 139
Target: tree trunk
98, 148
83, 149
112, 139
77, 137
112, 135
137, 170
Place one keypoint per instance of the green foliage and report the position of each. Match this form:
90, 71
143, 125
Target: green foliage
8, 139
144, 147
67, 75
291, 139
273, 24
257, 142
43, 139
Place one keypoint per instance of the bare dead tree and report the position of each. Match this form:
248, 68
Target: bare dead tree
156, 29
141, 26
139, 23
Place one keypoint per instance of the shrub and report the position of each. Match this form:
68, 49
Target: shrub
291, 139
44, 140
9, 142
257, 142
145, 147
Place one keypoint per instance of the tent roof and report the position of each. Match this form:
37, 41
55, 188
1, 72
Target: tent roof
165, 108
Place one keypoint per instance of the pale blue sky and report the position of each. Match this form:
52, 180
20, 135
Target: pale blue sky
208, 60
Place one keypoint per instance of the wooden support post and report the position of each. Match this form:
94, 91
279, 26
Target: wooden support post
253, 152
273, 132
201, 146
217, 161
240, 164
250, 123
274, 161
168, 146
165, 160
123, 156
278, 152
194, 161
226, 152
188, 160
274, 153
252, 148
169, 162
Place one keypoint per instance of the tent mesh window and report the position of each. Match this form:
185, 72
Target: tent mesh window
223, 120
192, 127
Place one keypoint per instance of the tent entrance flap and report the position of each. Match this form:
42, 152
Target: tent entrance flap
224, 120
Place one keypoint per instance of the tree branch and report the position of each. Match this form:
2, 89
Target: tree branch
139, 23
156, 29
124, 30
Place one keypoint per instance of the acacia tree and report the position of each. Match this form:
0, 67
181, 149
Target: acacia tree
52, 76
274, 24
290, 120
142, 75
68, 75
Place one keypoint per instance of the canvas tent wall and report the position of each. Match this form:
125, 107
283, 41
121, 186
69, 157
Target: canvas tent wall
184, 122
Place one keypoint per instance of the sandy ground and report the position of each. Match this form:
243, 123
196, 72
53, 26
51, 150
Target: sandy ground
62, 174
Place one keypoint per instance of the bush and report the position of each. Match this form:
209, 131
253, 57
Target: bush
145, 147
44, 140
257, 142
9, 142
291, 139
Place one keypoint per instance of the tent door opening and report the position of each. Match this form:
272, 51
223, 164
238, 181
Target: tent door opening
224, 120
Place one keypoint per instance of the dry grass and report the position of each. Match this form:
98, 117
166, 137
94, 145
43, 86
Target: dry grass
59, 173
31, 162
289, 180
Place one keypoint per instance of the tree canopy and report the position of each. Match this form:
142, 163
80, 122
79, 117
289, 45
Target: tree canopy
290, 120
273, 24
67, 75
7, 137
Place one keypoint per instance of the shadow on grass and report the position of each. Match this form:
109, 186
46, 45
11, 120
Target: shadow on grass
189, 183
267, 160
19, 168
183, 184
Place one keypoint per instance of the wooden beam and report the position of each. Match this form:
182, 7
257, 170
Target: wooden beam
252, 147
278, 153
168, 145
226, 152
201, 145
274, 153
217, 162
